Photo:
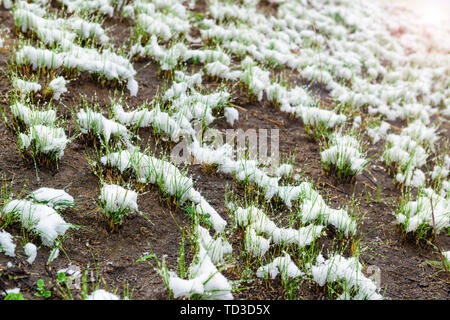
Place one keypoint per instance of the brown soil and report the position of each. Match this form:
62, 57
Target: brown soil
111, 256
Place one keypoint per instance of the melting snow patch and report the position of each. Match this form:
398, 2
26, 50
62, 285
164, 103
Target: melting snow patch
118, 199
339, 268
280, 265
40, 218
30, 116
25, 86
231, 114
415, 214
7, 244
55, 198
217, 249
91, 121
204, 279
58, 87
256, 245
48, 140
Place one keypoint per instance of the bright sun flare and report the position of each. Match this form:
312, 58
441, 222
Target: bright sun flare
431, 12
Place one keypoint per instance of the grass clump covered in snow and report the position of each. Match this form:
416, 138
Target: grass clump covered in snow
7, 244
96, 127
41, 138
343, 156
429, 211
25, 115
346, 274
43, 145
202, 280
39, 215
116, 203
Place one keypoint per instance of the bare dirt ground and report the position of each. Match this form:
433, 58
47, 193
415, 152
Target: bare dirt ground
111, 256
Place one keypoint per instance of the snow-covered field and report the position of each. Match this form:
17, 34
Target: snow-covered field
366, 83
